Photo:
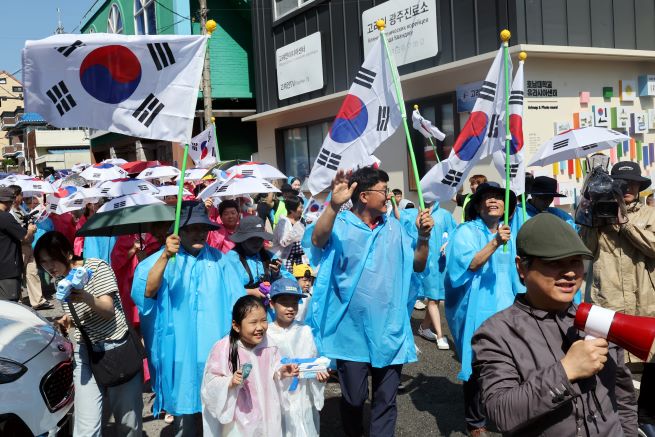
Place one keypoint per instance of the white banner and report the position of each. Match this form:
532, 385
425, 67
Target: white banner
299, 67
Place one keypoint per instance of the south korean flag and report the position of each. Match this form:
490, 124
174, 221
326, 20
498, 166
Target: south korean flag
143, 86
516, 159
368, 116
481, 136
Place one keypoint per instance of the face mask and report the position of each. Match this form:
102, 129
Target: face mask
251, 246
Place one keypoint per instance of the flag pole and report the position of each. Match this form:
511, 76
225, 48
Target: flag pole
380, 24
505, 35
218, 153
434, 148
180, 191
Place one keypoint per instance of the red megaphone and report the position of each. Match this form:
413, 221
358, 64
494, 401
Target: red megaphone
633, 333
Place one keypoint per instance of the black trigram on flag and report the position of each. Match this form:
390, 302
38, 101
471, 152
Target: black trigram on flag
487, 91
67, 50
560, 144
120, 204
365, 77
248, 172
516, 98
383, 117
452, 178
148, 110
328, 159
162, 55
589, 146
513, 169
493, 127
61, 98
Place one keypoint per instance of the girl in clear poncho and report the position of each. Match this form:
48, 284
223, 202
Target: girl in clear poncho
241, 391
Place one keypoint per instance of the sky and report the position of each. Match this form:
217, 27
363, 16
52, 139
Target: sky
34, 19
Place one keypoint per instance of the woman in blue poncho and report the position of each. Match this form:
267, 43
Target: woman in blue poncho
481, 280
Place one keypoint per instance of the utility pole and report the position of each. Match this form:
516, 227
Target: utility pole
207, 28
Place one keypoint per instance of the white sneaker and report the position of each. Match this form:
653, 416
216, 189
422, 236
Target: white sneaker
442, 344
419, 305
427, 334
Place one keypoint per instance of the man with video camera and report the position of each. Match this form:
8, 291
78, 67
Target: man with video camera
624, 267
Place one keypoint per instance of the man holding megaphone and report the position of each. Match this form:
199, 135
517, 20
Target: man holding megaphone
537, 373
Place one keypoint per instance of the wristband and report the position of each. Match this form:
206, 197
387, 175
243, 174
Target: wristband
423, 238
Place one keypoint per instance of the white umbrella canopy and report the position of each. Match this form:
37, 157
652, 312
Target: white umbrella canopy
159, 172
11, 180
121, 187
194, 174
257, 169
138, 199
80, 167
115, 161
103, 172
65, 199
238, 186
34, 186
576, 143
170, 190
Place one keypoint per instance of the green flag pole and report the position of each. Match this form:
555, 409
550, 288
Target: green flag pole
403, 113
505, 35
434, 148
522, 57
180, 192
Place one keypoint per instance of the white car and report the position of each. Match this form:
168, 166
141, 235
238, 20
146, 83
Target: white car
36, 373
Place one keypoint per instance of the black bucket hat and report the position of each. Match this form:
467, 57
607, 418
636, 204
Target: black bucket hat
545, 186
630, 171
483, 189
194, 213
250, 227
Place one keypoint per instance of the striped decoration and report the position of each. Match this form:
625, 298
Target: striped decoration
644, 150
613, 154
555, 169
626, 147
619, 151
633, 149
578, 169
639, 155
651, 153
570, 167
563, 166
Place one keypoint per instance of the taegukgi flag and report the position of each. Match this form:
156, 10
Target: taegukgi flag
203, 148
516, 159
369, 115
481, 136
144, 86
425, 127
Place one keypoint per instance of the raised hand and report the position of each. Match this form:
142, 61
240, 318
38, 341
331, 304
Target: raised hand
424, 223
341, 193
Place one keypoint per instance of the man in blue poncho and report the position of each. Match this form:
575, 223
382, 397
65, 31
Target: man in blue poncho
481, 280
542, 193
359, 310
185, 305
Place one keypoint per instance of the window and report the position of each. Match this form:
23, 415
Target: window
283, 7
92, 29
115, 20
3, 80
144, 17
300, 147
17, 89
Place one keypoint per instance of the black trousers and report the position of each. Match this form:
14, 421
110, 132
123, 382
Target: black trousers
353, 378
646, 403
473, 413
10, 289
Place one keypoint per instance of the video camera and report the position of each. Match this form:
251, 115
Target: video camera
601, 194
35, 216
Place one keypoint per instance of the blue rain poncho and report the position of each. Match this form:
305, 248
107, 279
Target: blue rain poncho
359, 307
474, 296
99, 247
256, 267
517, 220
191, 312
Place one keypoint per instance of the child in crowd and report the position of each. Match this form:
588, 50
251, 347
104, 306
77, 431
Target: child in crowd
241, 390
300, 416
305, 277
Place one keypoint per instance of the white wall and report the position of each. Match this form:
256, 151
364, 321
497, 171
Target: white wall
61, 138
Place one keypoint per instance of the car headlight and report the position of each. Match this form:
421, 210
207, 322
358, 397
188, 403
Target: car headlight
10, 370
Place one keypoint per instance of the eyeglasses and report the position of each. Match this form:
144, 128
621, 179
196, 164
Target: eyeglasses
385, 191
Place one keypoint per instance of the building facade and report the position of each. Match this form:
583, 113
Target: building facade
230, 50
585, 59
11, 105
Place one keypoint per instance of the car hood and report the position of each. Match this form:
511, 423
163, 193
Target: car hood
23, 334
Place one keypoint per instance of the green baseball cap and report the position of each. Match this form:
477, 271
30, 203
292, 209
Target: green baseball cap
550, 238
